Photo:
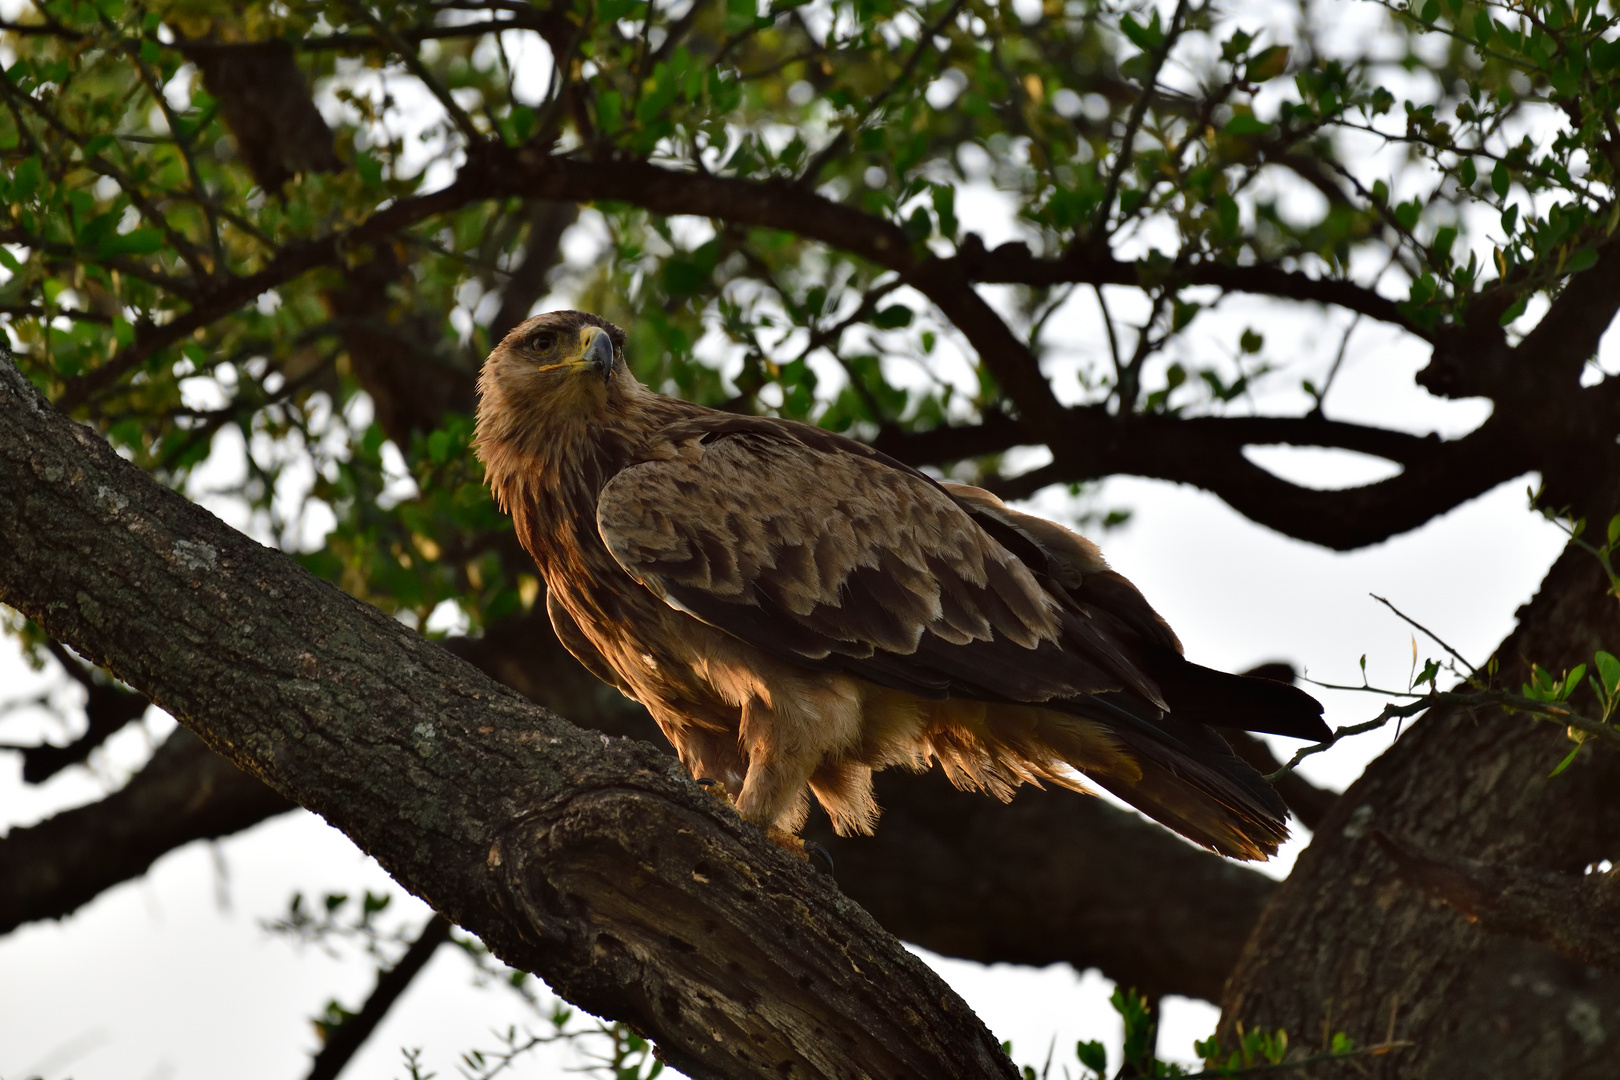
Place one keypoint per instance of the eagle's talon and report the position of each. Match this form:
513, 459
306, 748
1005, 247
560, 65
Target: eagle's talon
805, 850
820, 857
716, 789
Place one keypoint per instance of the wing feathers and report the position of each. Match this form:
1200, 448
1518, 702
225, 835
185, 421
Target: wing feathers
822, 552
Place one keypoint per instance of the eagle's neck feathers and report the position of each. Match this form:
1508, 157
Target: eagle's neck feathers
547, 468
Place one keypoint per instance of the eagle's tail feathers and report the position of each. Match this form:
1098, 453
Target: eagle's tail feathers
1190, 780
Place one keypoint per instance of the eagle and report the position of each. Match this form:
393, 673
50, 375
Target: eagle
797, 610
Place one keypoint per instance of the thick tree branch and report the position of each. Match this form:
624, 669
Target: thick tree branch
592, 862
1578, 915
1050, 878
186, 792
959, 874
1437, 475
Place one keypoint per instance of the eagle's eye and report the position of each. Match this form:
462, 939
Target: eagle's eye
542, 341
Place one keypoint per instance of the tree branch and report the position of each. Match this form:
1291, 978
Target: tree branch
220, 299
107, 708
186, 792
1013, 264
956, 873
1208, 452
592, 862
1050, 878
342, 1042
1086, 441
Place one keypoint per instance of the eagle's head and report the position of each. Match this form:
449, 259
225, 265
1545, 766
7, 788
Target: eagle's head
551, 381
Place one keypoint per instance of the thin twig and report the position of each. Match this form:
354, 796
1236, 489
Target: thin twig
1472, 668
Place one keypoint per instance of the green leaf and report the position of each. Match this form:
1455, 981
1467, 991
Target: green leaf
1501, 180
609, 111
1251, 342
25, 179
369, 168
739, 15
1093, 1055
1568, 760
1146, 38
944, 198
1584, 259
1268, 64
1443, 239
1246, 124
1513, 312
1608, 671
1572, 681
144, 241
892, 318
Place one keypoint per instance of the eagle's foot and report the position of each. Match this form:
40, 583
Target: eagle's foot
717, 790
807, 850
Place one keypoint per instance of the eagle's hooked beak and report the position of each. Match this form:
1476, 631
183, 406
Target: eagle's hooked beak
599, 352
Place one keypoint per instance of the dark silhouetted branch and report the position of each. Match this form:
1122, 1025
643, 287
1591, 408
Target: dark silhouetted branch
346, 1039
186, 792
107, 708
1052, 877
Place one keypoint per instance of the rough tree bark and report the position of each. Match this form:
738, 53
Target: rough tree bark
591, 861
1350, 944
1052, 878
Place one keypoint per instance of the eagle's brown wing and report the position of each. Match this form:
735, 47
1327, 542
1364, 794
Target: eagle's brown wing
820, 551
841, 560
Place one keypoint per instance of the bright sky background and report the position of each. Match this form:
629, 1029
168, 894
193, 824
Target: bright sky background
172, 977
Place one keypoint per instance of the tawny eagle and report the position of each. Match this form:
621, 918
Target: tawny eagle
797, 610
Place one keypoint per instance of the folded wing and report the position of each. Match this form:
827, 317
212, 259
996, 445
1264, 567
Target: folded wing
818, 550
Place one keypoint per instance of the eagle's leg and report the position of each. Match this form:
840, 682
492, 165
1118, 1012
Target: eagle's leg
780, 758
710, 755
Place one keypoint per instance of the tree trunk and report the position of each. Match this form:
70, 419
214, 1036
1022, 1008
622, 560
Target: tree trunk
1349, 944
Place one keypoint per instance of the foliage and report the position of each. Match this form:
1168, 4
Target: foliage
1256, 1051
